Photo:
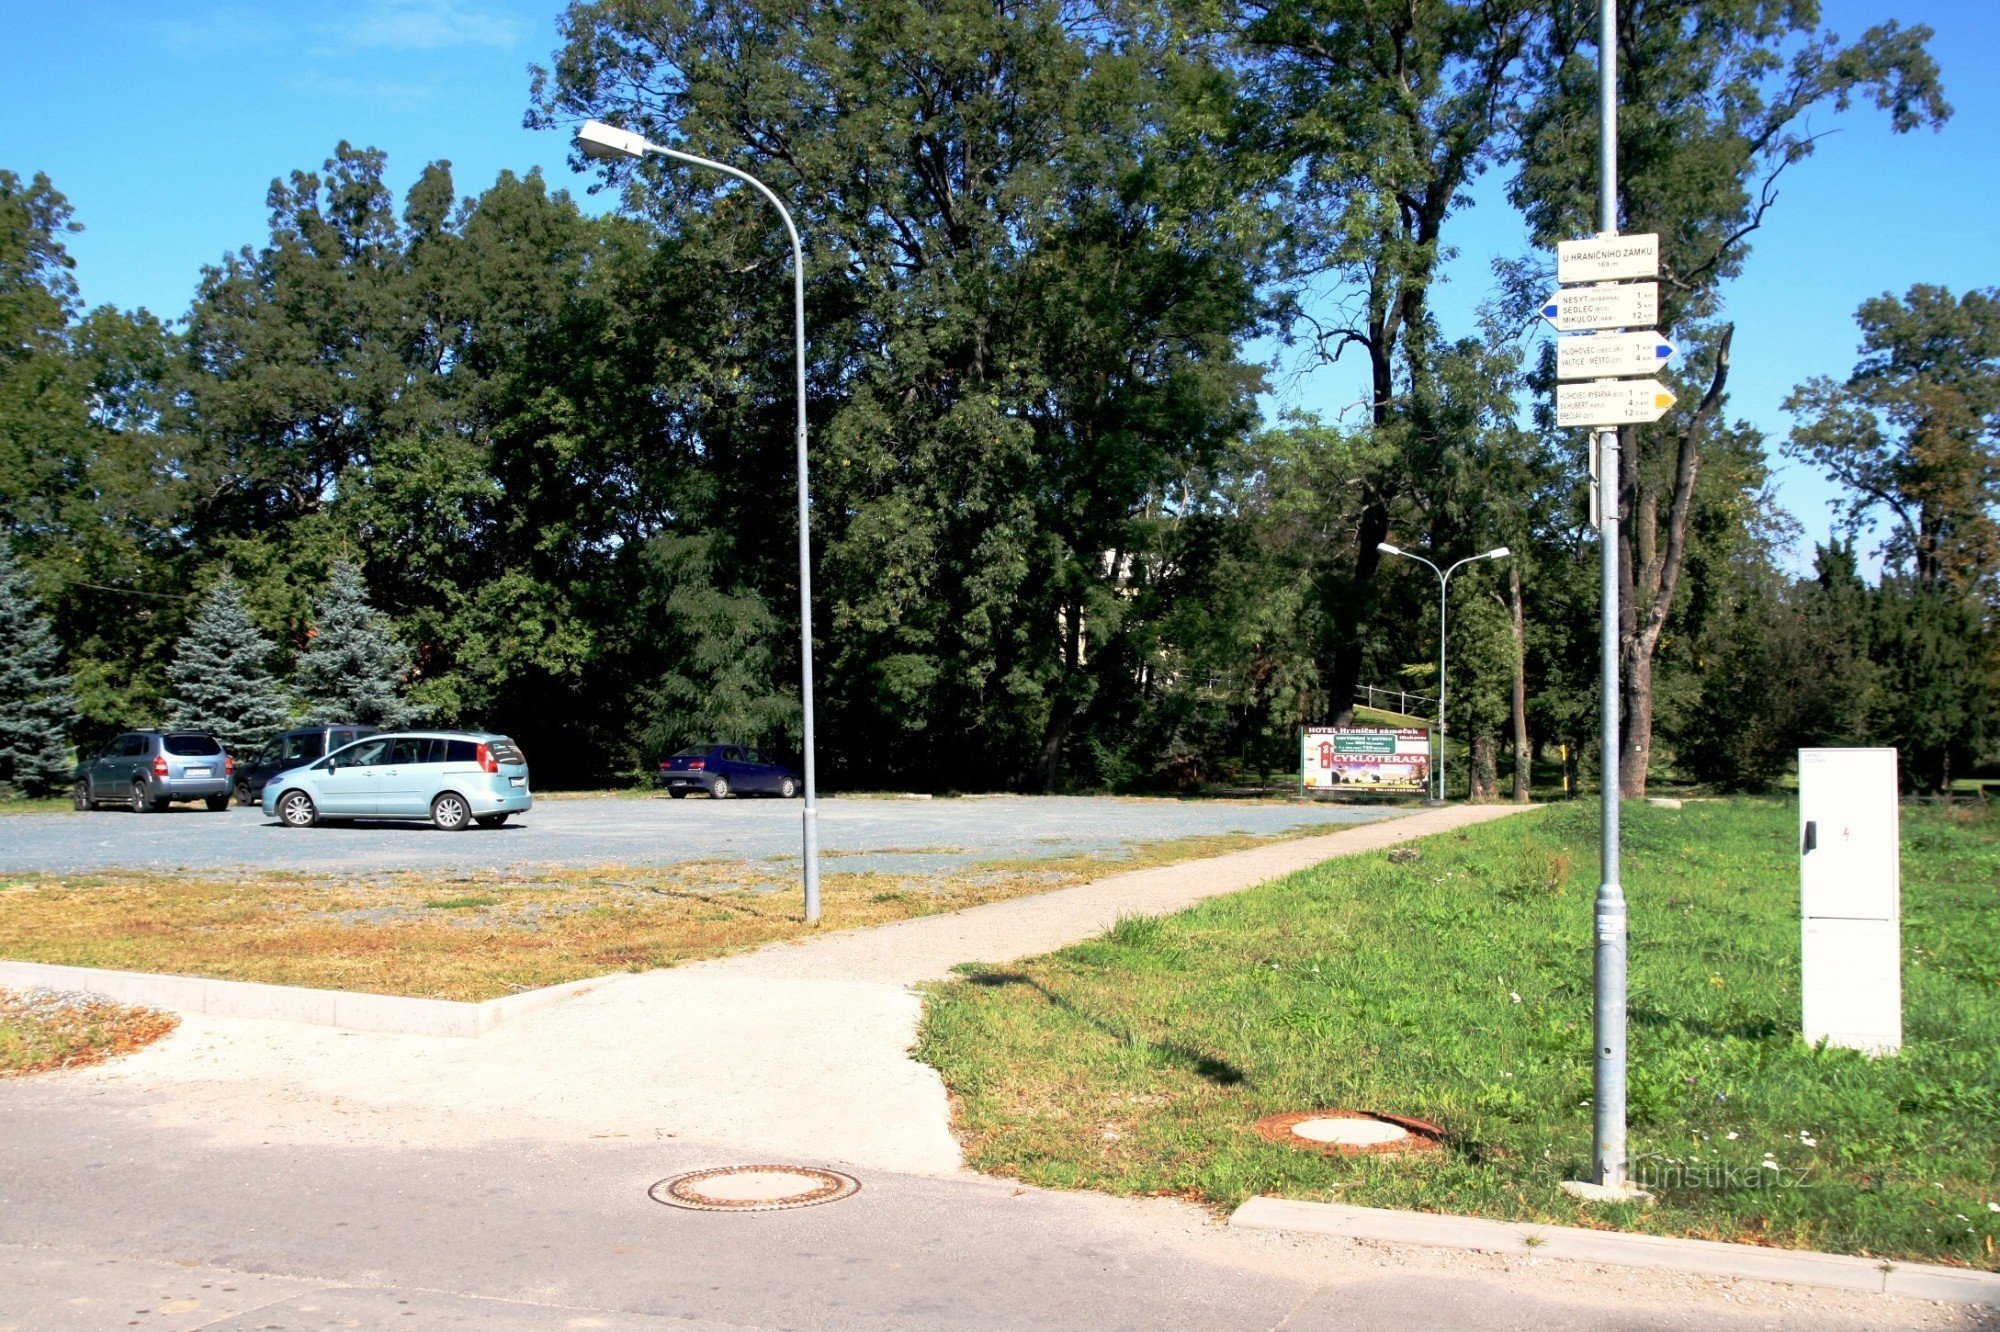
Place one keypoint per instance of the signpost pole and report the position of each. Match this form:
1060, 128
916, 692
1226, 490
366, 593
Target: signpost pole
1608, 1083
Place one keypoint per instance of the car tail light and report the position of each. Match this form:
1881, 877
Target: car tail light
159, 765
486, 760
696, 765
228, 766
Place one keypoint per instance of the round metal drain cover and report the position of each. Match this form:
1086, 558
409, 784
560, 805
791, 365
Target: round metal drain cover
1351, 1132
754, 1188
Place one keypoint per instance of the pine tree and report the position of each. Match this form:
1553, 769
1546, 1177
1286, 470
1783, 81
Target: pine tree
219, 682
35, 704
354, 668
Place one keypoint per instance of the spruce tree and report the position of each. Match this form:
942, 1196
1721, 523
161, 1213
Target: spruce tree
35, 704
353, 669
220, 682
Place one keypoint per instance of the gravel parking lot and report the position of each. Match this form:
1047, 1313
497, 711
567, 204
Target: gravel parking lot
898, 836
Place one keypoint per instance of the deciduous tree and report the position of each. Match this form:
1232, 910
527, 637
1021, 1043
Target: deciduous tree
1914, 433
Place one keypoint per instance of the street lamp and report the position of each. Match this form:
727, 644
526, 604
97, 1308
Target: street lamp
1444, 584
600, 140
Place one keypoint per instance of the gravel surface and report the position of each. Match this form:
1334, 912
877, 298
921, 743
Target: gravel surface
888, 835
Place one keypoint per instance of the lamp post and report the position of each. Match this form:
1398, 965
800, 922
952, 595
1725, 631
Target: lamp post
600, 140
1444, 585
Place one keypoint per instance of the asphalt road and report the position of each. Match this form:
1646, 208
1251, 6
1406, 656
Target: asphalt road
891, 835
109, 1219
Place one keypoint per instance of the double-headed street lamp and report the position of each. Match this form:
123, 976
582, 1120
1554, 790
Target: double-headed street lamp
1444, 584
598, 139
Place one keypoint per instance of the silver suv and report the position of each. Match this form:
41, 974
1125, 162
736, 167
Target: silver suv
149, 770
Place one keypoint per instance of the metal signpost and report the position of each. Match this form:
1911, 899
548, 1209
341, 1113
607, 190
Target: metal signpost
1607, 1157
1605, 400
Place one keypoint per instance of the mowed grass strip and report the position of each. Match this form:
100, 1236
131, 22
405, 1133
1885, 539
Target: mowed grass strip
1451, 980
477, 936
41, 1031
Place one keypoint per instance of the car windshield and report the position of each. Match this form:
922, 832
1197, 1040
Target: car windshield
699, 751
192, 746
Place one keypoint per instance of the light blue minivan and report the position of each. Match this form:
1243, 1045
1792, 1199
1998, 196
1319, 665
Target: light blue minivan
453, 778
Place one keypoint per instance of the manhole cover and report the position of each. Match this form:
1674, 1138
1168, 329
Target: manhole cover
754, 1188
1351, 1132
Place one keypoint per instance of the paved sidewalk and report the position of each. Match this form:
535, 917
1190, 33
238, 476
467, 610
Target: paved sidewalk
797, 1049
108, 1220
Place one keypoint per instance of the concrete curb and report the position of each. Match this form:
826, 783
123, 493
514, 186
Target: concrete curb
293, 1003
1750, 1262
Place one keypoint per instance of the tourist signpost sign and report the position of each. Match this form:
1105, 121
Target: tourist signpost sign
1605, 355
1611, 402
1608, 258
1621, 305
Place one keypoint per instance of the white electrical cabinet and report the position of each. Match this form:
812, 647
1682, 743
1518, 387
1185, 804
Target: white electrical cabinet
1850, 896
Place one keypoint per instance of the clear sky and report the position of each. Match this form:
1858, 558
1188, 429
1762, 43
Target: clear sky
165, 123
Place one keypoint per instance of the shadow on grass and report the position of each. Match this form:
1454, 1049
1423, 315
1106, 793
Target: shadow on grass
1216, 1070
1748, 1029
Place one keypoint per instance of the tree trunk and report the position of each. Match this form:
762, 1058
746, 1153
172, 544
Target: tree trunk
1635, 741
1650, 561
1048, 762
1485, 767
1523, 751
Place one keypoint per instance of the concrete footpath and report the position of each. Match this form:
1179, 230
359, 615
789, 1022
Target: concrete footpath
797, 1049
264, 1174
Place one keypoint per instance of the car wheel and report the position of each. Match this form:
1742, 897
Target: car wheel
787, 788
490, 820
244, 795
82, 794
140, 804
296, 810
216, 804
676, 793
450, 812
719, 787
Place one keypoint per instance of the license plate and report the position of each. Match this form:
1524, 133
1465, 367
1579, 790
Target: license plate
198, 772
517, 781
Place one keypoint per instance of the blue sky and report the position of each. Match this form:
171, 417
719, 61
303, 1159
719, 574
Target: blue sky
164, 123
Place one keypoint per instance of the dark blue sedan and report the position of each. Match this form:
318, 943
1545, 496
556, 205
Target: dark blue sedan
726, 770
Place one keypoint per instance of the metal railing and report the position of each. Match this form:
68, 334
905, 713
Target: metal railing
1404, 701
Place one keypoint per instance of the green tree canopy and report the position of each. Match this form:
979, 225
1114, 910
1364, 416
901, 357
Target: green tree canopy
35, 705
354, 667
220, 681
1914, 432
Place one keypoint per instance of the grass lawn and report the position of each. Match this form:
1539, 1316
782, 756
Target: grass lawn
40, 1031
1455, 986
17, 804
476, 936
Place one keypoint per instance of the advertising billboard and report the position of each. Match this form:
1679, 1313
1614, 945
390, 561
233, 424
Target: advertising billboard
1345, 758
